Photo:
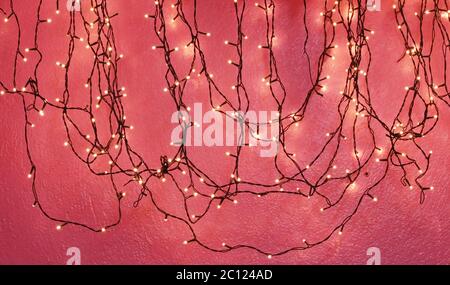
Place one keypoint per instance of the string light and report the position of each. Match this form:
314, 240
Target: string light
334, 16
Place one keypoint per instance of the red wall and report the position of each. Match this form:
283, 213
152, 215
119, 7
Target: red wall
405, 231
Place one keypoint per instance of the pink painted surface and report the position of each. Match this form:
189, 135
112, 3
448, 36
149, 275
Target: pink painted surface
405, 232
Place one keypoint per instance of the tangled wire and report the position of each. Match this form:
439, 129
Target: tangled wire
415, 118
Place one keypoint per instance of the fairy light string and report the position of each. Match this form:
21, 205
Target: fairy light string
428, 88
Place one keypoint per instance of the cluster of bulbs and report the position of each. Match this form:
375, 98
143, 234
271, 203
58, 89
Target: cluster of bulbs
337, 16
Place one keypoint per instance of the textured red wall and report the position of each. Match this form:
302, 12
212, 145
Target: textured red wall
405, 231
